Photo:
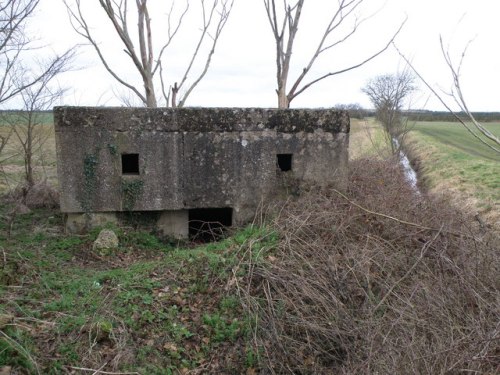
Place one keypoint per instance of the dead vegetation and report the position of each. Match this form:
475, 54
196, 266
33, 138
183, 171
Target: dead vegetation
379, 280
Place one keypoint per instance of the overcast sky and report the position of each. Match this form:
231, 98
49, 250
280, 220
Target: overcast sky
242, 73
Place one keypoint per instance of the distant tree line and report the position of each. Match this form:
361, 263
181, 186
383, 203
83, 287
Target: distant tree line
356, 111
423, 115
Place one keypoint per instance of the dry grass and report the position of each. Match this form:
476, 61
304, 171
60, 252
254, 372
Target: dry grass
367, 139
12, 162
376, 281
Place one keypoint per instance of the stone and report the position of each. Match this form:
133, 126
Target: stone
106, 242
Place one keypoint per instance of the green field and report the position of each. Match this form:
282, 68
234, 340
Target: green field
454, 162
12, 117
456, 136
367, 139
12, 157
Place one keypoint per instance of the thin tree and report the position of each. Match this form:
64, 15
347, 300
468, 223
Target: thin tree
388, 94
465, 117
145, 58
285, 30
37, 100
14, 45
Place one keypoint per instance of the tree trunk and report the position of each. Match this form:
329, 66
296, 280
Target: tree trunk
150, 92
283, 102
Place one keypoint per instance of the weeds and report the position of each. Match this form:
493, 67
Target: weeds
382, 282
146, 308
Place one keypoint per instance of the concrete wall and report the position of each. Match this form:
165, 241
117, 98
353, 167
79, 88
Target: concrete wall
192, 157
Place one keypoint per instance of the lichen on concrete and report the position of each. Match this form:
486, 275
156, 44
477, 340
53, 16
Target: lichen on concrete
192, 158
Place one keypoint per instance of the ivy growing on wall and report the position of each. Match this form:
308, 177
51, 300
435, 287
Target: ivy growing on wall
131, 190
112, 149
90, 163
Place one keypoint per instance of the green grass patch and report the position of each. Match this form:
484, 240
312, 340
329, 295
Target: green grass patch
160, 308
453, 160
457, 137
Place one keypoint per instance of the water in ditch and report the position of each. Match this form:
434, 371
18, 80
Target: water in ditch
410, 174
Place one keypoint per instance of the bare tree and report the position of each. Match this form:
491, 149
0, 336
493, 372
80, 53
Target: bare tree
465, 117
37, 100
18, 78
13, 42
146, 59
14, 45
388, 93
285, 29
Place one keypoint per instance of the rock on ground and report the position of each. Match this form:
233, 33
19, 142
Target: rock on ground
106, 241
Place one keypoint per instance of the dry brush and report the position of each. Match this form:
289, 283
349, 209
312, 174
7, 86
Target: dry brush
376, 280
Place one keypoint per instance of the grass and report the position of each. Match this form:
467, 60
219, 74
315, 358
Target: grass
148, 307
449, 161
12, 158
455, 135
367, 139
453, 162
7, 118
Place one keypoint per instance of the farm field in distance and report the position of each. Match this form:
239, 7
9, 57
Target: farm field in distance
12, 158
449, 160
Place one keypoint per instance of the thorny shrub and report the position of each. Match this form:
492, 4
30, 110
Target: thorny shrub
378, 279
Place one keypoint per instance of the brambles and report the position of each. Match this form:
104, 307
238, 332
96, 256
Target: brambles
376, 280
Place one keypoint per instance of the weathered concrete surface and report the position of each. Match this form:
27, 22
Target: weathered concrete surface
192, 157
174, 224
81, 222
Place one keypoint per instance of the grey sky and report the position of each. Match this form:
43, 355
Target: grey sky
243, 71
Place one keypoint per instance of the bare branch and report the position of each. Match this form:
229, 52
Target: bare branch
147, 60
294, 93
170, 34
343, 13
13, 43
81, 27
459, 99
387, 93
223, 17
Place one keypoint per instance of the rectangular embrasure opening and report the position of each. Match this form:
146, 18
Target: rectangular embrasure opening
284, 162
130, 163
208, 224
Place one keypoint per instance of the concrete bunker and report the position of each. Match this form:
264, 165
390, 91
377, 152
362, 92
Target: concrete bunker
196, 168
